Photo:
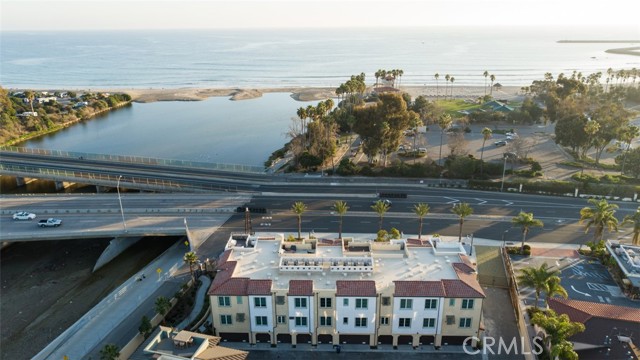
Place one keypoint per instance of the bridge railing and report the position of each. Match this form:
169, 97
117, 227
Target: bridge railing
110, 180
139, 160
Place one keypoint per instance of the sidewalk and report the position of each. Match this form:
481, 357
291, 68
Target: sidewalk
197, 307
90, 330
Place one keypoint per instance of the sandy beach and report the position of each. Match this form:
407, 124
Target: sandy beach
304, 93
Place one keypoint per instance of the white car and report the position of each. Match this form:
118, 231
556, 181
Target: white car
23, 215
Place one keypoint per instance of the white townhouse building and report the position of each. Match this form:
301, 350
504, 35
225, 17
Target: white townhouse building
346, 291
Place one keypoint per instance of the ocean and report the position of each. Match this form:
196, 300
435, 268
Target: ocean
303, 57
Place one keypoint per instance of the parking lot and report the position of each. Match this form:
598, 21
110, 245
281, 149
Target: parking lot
583, 278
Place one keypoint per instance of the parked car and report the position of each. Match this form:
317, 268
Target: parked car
23, 215
512, 134
50, 222
500, 143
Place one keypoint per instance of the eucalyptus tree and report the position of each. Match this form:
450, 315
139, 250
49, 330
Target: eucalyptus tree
380, 207
526, 222
462, 210
627, 134
341, 208
299, 208
421, 210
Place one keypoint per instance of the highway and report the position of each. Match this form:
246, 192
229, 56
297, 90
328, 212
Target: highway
93, 215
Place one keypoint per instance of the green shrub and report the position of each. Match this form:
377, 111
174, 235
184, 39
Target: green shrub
382, 235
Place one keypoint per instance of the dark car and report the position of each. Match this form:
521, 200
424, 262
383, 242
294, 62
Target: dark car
500, 143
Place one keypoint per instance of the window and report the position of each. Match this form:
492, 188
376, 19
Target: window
279, 300
282, 319
260, 302
384, 320
239, 300
452, 302
224, 301
240, 317
386, 301
325, 302
406, 303
405, 322
428, 322
467, 303
362, 303
301, 303
345, 302
261, 321
361, 322
325, 321
301, 321
225, 319
451, 319
465, 322
345, 320
431, 304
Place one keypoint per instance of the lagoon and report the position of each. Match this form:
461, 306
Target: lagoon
214, 130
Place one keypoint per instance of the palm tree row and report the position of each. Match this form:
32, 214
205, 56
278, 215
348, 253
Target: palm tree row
449, 79
621, 75
395, 74
492, 78
601, 216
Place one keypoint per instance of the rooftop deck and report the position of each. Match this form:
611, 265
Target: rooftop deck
355, 258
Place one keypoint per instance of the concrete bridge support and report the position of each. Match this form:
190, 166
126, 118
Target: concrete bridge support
20, 181
115, 248
102, 189
61, 185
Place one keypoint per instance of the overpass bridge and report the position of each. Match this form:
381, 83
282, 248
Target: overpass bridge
134, 172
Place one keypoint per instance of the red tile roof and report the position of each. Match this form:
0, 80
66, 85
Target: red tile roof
232, 287
459, 289
259, 287
582, 311
366, 288
301, 287
419, 288
224, 273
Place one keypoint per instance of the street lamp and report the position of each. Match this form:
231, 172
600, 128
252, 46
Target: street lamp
503, 235
124, 224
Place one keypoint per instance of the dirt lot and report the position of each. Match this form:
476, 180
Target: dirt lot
48, 285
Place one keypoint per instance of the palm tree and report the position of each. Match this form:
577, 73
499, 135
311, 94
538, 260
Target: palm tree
299, 208
341, 208
601, 216
443, 122
400, 73
462, 210
380, 207
31, 96
485, 74
421, 210
526, 222
109, 352
486, 135
492, 78
446, 78
302, 114
635, 221
437, 76
452, 80
162, 306
554, 288
191, 258
536, 278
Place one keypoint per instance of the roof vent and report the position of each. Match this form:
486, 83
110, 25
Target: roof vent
344, 274
328, 282
308, 274
324, 273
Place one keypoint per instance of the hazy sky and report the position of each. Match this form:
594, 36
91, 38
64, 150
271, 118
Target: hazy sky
174, 14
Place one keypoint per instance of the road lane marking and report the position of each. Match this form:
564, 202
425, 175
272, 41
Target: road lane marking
580, 292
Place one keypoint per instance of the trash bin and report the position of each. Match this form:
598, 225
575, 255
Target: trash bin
338, 348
